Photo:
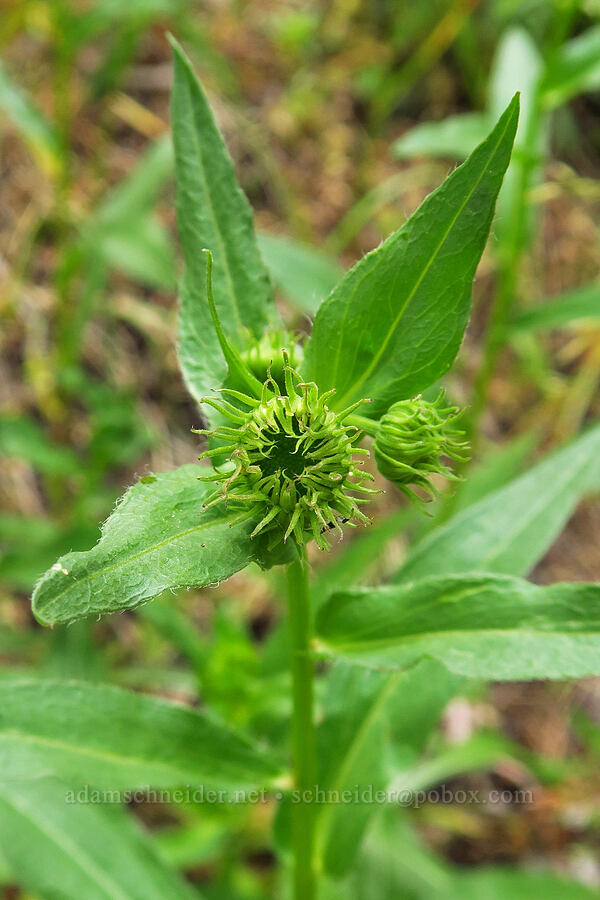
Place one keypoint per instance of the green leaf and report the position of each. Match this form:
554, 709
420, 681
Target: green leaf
24, 439
57, 847
116, 739
305, 275
560, 311
575, 69
510, 530
123, 228
454, 136
158, 538
214, 214
483, 626
142, 250
481, 752
39, 134
362, 711
136, 194
394, 324
499, 884
416, 873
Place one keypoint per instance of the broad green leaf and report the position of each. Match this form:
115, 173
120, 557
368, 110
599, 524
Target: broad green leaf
575, 69
212, 213
560, 311
454, 136
483, 626
394, 324
363, 710
158, 538
510, 530
116, 739
57, 847
305, 275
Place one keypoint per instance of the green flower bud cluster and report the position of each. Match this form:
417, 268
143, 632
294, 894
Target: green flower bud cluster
292, 458
411, 440
263, 356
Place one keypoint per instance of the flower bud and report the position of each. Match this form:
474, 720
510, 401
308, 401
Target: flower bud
412, 438
264, 356
292, 459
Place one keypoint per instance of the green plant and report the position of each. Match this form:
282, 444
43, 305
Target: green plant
284, 442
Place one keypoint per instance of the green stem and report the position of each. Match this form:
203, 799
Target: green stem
303, 729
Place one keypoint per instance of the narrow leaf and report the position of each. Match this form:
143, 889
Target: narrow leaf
510, 530
158, 538
575, 69
560, 311
362, 712
482, 626
34, 128
116, 739
213, 213
58, 847
394, 324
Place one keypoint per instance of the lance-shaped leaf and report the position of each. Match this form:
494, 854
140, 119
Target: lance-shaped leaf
116, 739
482, 626
510, 530
158, 537
212, 213
58, 846
362, 712
394, 324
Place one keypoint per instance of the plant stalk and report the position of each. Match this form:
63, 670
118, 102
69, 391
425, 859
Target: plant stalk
303, 728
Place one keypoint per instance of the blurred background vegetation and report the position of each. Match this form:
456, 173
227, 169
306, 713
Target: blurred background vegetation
341, 116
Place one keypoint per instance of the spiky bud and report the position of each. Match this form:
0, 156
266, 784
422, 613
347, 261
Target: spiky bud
292, 458
411, 441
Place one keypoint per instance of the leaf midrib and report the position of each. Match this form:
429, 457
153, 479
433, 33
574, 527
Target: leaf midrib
101, 754
210, 207
124, 562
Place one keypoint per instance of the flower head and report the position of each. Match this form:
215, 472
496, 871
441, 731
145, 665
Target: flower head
411, 440
291, 457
